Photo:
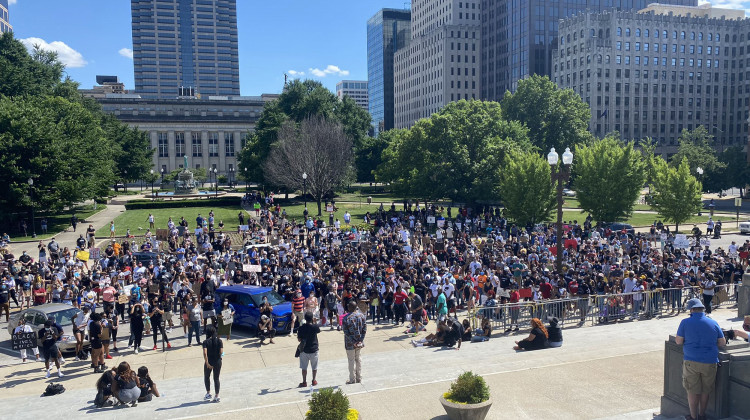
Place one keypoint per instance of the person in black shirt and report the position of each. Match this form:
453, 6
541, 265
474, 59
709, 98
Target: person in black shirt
157, 324
455, 333
536, 340
207, 301
213, 349
49, 335
97, 351
308, 349
555, 332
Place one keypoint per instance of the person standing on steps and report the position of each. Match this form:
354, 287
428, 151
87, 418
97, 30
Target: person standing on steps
700, 337
213, 349
355, 328
307, 335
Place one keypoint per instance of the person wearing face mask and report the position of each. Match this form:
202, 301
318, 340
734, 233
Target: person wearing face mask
225, 322
298, 306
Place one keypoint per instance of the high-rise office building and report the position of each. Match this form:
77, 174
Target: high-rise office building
4, 19
355, 89
387, 31
441, 62
518, 36
185, 48
651, 75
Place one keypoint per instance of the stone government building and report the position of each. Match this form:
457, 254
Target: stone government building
211, 132
656, 72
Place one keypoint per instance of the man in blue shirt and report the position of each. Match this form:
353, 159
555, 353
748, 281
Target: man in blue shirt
701, 338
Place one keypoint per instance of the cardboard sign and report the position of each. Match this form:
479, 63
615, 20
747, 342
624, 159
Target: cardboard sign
94, 253
153, 289
226, 317
122, 299
23, 340
681, 241
83, 255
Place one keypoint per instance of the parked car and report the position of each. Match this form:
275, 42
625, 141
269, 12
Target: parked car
619, 227
567, 192
246, 301
744, 227
61, 313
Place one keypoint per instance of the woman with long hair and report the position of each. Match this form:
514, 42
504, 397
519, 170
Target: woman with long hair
126, 385
537, 339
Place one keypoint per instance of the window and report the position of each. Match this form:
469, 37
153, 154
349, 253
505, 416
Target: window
229, 144
179, 144
163, 145
213, 144
619, 31
627, 31
197, 145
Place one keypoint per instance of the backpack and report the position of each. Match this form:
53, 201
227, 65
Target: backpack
82, 355
53, 389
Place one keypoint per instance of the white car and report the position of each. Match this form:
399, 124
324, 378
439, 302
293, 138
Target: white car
745, 227
568, 192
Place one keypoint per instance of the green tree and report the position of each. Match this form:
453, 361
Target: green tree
697, 148
454, 153
608, 177
677, 194
735, 173
131, 150
555, 117
24, 74
370, 154
300, 100
526, 187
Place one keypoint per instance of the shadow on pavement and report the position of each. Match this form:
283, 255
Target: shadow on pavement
183, 405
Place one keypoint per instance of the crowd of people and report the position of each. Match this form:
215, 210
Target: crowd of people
408, 266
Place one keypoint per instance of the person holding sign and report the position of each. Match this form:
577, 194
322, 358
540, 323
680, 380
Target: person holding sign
23, 328
226, 317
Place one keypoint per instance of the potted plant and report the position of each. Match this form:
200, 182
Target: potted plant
329, 405
468, 398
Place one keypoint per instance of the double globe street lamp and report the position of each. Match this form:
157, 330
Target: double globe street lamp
560, 173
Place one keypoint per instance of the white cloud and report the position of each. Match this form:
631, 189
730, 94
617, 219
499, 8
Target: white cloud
126, 52
12, 2
295, 73
68, 56
331, 69
729, 4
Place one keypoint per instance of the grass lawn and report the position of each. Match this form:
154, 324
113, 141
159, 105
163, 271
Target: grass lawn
644, 219
56, 223
572, 203
135, 219
295, 211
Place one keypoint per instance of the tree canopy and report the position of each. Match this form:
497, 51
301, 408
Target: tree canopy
555, 117
49, 133
608, 177
300, 100
677, 193
454, 153
526, 187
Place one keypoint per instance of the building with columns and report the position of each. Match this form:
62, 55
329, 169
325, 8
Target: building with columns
210, 132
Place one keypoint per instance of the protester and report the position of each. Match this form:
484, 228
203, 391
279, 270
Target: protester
307, 335
23, 328
225, 326
265, 329
126, 386
537, 339
355, 328
213, 351
195, 314
49, 335
104, 388
147, 385
554, 332
700, 337
484, 333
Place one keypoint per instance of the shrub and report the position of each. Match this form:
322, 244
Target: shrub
469, 388
328, 405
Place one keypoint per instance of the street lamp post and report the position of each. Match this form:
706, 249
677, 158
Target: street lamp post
152, 184
231, 177
31, 198
560, 173
216, 179
304, 187
247, 185
161, 185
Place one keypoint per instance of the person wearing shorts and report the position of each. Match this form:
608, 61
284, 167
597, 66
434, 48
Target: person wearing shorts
308, 338
700, 338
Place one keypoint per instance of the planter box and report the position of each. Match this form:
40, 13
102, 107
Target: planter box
466, 411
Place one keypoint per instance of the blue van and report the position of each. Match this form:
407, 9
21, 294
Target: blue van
246, 301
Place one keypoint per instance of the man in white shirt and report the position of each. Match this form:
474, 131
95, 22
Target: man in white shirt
709, 289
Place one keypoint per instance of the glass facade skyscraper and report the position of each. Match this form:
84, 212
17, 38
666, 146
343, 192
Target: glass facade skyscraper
185, 48
518, 36
4, 19
387, 31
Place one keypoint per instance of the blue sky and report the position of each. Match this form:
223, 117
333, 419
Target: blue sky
325, 39
274, 37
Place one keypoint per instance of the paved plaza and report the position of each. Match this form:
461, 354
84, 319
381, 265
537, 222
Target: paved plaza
609, 371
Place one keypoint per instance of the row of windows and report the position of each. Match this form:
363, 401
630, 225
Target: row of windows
197, 144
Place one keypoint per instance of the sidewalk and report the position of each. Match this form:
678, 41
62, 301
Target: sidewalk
609, 371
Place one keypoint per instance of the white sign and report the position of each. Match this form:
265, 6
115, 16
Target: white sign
705, 242
244, 227
226, 317
738, 202
681, 241
431, 219
441, 223
329, 208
